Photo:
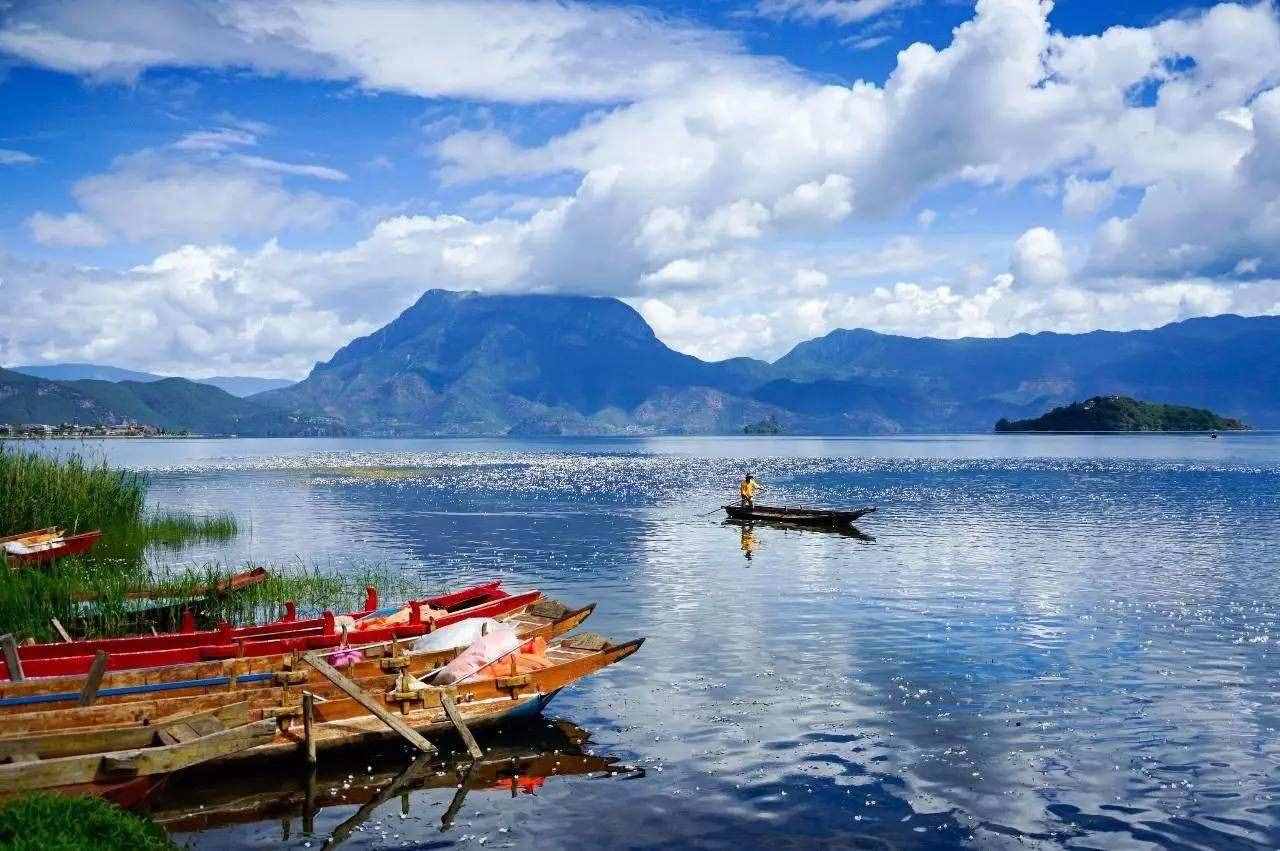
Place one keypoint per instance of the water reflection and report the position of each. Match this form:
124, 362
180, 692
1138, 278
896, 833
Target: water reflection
519, 761
749, 541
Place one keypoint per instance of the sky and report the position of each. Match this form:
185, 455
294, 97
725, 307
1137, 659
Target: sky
243, 186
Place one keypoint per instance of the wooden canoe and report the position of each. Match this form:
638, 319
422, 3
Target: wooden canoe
85, 759
540, 618
815, 517
75, 657
234, 582
46, 545
340, 720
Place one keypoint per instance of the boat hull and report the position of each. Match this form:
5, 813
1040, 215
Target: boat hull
797, 516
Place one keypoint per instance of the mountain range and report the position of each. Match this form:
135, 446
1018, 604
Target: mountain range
458, 363
464, 363
173, 404
236, 385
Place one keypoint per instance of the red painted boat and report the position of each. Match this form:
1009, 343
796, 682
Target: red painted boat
46, 545
74, 658
234, 582
288, 626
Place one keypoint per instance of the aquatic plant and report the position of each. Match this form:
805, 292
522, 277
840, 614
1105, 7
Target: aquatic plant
46, 822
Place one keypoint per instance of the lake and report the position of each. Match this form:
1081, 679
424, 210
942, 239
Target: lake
1042, 641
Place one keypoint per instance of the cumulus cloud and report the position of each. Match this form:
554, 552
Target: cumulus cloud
712, 183
1038, 259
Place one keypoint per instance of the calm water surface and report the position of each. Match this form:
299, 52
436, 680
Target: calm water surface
1051, 641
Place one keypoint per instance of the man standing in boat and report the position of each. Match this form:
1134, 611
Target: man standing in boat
748, 490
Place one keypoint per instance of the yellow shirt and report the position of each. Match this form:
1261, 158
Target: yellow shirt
748, 489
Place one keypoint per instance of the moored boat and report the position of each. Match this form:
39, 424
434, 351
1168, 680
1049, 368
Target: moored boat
343, 714
286, 635
44, 545
540, 618
816, 517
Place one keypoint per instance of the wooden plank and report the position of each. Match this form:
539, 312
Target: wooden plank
90, 768
182, 732
85, 741
89, 694
451, 709
361, 697
57, 624
11, 657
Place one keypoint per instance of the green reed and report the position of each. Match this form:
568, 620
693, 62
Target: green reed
96, 594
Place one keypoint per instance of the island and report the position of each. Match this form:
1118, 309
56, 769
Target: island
768, 426
1122, 413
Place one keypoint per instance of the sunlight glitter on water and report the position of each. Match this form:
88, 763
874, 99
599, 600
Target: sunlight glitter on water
1052, 644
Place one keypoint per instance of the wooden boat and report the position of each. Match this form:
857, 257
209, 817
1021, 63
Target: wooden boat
98, 761
342, 712
45, 545
845, 531
283, 636
518, 760
540, 618
814, 517
235, 582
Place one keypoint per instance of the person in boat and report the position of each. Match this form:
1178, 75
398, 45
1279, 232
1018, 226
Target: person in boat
747, 490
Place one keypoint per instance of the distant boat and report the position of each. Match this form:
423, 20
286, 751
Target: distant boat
815, 517
46, 545
1214, 435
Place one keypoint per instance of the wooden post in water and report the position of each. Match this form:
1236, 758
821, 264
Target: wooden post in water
11, 657
89, 693
308, 720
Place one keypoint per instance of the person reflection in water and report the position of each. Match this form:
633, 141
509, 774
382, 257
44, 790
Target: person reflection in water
748, 542
747, 490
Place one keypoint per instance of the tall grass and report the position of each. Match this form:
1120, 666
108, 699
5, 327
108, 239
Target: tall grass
38, 491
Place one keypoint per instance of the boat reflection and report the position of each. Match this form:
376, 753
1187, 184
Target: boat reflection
749, 542
518, 760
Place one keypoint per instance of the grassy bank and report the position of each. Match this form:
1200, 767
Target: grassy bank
45, 822
38, 491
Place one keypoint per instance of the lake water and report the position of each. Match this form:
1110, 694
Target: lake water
1052, 641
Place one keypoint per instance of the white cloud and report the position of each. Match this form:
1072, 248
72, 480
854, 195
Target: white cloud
837, 11
1084, 197
150, 197
485, 49
8, 156
712, 182
926, 217
71, 230
1038, 259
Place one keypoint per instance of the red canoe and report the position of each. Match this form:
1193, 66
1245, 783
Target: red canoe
46, 545
73, 658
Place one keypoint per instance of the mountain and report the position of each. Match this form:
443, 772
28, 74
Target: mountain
236, 385
81, 371
174, 404
464, 363
1225, 363
1121, 413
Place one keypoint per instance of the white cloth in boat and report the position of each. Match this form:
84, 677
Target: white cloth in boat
460, 634
489, 649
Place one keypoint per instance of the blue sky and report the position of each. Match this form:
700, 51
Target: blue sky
204, 187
